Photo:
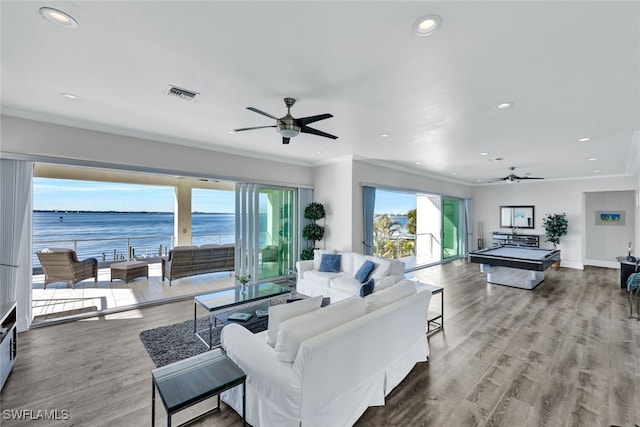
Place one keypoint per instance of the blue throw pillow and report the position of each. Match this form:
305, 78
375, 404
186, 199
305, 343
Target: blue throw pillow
362, 275
330, 263
367, 288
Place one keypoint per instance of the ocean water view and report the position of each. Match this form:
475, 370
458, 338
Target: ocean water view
146, 231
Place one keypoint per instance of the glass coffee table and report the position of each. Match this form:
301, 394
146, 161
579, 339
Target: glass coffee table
193, 380
227, 298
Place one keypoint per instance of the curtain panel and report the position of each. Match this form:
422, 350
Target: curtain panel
368, 206
15, 190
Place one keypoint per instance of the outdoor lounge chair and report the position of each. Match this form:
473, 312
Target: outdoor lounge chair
62, 265
269, 254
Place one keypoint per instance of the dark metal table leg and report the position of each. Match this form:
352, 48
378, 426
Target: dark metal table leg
244, 403
442, 309
153, 403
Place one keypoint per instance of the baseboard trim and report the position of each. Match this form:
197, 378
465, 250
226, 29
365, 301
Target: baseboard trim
572, 264
599, 263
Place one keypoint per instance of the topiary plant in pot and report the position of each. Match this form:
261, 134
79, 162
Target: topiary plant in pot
555, 226
312, 232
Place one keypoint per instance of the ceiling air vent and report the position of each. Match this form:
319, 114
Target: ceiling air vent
177, 92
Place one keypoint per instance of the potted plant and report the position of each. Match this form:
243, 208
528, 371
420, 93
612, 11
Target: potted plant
243, 279
312, 232
555, 226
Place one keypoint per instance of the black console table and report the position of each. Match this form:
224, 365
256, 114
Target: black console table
626, 269
8, 337
511, 239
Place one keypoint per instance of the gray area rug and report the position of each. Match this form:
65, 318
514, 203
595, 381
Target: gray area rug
168, 344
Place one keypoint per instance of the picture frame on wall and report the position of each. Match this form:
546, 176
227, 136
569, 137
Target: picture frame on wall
615, 218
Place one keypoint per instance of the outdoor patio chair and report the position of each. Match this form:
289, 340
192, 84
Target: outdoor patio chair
269, 254
62, 265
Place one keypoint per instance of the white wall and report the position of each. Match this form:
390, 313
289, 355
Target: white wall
334, 190
603, 243
33, 138
547, 197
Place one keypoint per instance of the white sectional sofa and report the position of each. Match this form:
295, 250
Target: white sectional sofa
329, 364
343, 284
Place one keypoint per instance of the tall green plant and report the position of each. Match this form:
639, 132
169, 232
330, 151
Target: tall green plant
555, 226
312, 232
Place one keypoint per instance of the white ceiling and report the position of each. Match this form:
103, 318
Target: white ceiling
572, 70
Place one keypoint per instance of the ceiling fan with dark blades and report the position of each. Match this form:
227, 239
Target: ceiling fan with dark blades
512, 177
290, 127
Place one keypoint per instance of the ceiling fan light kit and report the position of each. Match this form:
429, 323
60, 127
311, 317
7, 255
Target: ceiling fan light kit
290, 127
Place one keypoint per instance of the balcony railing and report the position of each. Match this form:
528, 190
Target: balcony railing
112, 249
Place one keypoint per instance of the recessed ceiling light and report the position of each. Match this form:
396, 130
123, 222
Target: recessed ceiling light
592, 159
504, 105
58, 17
478, 180
318, 152
417, 163
596, 171
454, 173
584, 139
384, 135
231, 132
427, 25
69, 96
484, 154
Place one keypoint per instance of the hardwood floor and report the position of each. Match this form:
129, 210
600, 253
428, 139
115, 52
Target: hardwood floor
563, 354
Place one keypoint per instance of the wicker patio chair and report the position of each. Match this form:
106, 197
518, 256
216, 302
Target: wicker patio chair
269, 254
62, 265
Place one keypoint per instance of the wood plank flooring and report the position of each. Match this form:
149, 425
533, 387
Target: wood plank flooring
564, 354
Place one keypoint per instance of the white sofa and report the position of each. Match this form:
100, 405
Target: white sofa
343, 284
337, 373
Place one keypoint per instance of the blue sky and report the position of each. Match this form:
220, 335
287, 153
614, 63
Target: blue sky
394, 202
64, 194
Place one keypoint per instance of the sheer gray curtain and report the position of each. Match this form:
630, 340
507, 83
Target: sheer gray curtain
15, 190
368, 206
468, 216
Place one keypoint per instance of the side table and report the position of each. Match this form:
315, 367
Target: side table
184, 383
436, 321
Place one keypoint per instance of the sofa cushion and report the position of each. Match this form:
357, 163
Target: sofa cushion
347, 263
362, 275
322, 279
292, 332
367, 288
330, 263
379, 299
280, 313
346, 284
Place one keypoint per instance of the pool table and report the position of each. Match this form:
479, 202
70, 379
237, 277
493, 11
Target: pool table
521, 267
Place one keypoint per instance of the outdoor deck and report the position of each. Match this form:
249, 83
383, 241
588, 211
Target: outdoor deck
59, 300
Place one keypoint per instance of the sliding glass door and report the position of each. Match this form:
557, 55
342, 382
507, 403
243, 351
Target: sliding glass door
266, 230
453, 228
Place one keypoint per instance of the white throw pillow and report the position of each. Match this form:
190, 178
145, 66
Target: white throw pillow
402, 289
292, 332
383, 267
281, 312
383, 283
